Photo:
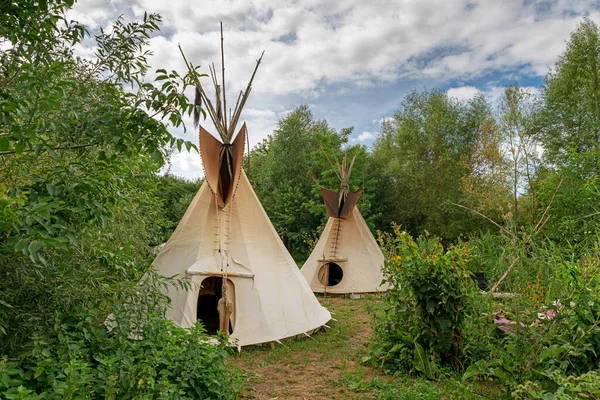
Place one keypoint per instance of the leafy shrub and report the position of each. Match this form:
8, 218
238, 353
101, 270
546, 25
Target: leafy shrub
80, 358
584, 386
426, 307
561, 337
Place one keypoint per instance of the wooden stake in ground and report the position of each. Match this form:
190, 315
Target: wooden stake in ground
326, 279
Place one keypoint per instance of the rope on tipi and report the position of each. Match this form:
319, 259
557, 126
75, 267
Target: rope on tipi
225, 305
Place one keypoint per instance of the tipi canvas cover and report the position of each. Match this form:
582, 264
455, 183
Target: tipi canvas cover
241, 273
272, 300
346, 258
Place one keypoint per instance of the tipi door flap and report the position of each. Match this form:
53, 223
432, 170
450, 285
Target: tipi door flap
324, 272
231, 295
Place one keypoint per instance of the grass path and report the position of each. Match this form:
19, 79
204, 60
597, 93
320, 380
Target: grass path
314, 368
328, 366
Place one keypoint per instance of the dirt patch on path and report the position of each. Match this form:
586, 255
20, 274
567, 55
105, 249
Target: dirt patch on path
310, 368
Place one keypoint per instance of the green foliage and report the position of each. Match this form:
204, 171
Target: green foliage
575, 214
426, 307
397, 389
421, 159
584, 386
80, 359
549, 335
486, 186
79, 153
176, 195
570, 117
521, 161
287, 169
568, 125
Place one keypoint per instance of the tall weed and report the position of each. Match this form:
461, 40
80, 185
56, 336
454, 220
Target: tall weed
431, 294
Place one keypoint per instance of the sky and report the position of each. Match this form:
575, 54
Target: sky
351, 61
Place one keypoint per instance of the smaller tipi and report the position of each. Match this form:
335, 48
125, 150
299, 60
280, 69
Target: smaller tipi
346, 258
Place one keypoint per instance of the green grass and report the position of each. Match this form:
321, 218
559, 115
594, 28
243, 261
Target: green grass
328, 365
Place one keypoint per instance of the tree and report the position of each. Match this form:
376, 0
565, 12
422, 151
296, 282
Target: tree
421, 160
486, 185
570, 118
78, 161
516, 118
568, 124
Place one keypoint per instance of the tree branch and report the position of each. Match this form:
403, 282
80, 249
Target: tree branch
486, 217
497, 284
78, 146
541, 224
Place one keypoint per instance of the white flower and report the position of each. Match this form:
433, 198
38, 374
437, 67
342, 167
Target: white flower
572, 304
541, 315
590, 303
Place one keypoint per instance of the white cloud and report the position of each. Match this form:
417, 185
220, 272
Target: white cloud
98, 13
188, 165
261, 123
5, 45
365, 136
493, 94
534, 91
355, 42
380, 121
463, 93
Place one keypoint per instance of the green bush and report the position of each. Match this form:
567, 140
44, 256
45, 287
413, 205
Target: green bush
81, 142
80, 358
586, 386
431, 295
550, 335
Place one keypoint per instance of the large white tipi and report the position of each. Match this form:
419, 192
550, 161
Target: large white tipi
244, 281
346, 258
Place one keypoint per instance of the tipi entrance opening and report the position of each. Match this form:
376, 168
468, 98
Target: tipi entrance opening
208, 300
330, 274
